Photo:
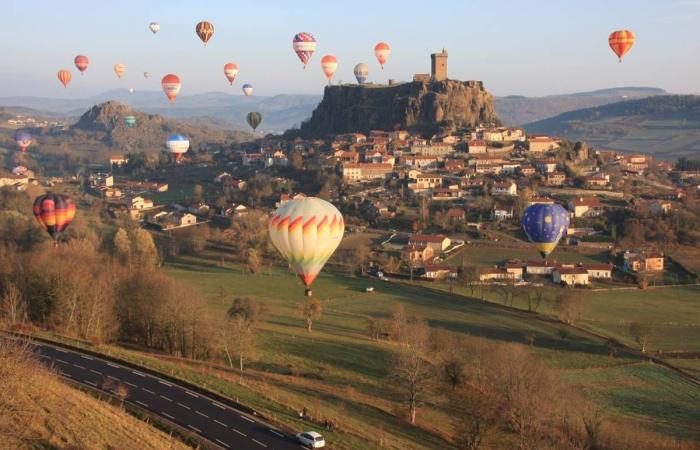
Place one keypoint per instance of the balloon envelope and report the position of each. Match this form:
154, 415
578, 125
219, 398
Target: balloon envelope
205, 30
382, 52
177, 144
154, 27
54, 212
23, 140
171, 86
545, 225
248, 89
230, 70
64, 77
329, 64
119, 69
304, 46
254, 119
19, 170
306, 232
621, 42
361, 72
81, 62
130, 121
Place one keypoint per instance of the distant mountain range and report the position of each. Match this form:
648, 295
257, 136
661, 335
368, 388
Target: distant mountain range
667, 126
281, 112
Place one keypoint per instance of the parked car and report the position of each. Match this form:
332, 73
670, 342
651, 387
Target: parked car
311, 439
369, 289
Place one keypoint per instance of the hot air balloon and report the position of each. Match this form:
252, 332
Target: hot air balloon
205, 30
304, 45
621, 42
329, 64
171, 86
154, 27
230, 70
545, 225
361, 73
254, 119
23, 140
64, 77
131, 90
130, 121
306, 232
178, 145
119, 69
382, 52
54, 212
81, 62
146, 75
248, 89
19, 170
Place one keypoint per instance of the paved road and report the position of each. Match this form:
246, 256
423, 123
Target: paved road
221, 424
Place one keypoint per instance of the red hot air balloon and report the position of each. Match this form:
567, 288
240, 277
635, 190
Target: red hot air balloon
382, 52
81, 62
205, 30
621, 42
329, 64
304, 45
54, 212
171, 86
230, 70
64, 77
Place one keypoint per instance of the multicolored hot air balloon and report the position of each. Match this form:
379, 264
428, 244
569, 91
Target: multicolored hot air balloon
621, 42
64, 77
23, 140
382, 52
178, 145
171, 86
361, 72
544, 225
130, 121
54, 212
154, 27
329, 64
248, 89
81, 62
119, 69
304, 45
254, 119
204, 30
306, 232
230, 70
19, 170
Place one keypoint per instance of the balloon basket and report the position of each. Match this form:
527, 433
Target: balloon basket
308, 292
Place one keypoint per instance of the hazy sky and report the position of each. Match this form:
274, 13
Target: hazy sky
516, 47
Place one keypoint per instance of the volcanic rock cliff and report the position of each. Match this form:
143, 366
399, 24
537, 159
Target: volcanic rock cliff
424, 107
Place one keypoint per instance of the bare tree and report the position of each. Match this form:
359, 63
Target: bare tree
569, 307
254, 261
642, 334
476, 415
240, 330
13, 305
309, 310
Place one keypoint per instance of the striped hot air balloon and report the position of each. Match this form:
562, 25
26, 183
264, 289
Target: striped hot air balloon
254, 119
306, 232
19, 170
230, 70
329, 64
23, 140
130, 121
304, 45
54, 212
171, 86
382, 52
247, 89
205, 30
119, 69
177, 145
64, 77
361, 72
81, 62
621, 42
154, 27
544, 225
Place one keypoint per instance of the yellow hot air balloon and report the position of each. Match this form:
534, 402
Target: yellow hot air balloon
306, 232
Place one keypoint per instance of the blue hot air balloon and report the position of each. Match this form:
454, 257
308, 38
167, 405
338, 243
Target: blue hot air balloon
248, 89
544, 225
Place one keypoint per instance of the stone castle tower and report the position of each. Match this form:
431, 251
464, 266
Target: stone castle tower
438, 66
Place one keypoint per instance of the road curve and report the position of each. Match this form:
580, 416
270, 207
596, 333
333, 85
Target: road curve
223, 425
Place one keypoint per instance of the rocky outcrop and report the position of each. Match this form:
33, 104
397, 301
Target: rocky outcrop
427, 108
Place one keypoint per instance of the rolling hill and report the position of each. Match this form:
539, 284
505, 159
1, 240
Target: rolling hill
666, 126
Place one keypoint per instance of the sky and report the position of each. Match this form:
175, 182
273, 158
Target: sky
532, 48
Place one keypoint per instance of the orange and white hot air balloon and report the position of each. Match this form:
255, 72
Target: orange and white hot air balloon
171, 86
81, 62
306, 231
382, 52
119, 69
621, 42
64, 77
230, 70
329, 64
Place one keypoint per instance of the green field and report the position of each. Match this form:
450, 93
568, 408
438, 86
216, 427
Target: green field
344, 372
